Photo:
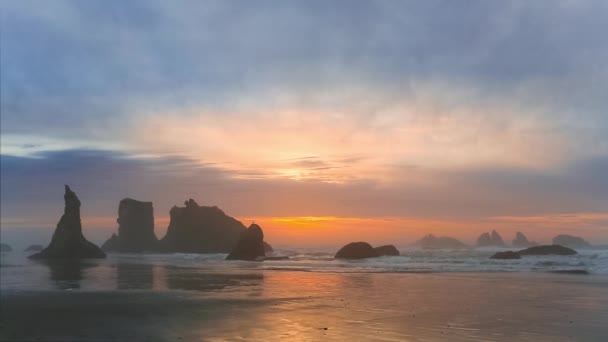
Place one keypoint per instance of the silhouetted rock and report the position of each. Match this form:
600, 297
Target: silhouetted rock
34, 248
250, 246
506, 255
430, 241
547, 250
200, 229
356, 250
5, 248
267, 248
112, 244
135, 228
68, 241
522, 241
571, 241
387, 250
490, 240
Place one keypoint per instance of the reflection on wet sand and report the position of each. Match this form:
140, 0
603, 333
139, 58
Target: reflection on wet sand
134, 276
67, 274
191, 279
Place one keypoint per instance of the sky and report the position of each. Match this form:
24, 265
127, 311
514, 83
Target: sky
324, 121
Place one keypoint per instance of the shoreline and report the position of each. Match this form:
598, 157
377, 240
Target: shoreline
329, 306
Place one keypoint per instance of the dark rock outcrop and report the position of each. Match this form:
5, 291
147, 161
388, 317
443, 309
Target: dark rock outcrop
430, 241
506, 255
356, 250
112, 244
522, 241
34, 248
490, 240
135, 228
267, 248
250, 246
571, 241
5, 248
68, 241
387, 250
200, 229
547, 250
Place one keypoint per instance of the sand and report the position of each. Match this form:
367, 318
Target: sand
310, 306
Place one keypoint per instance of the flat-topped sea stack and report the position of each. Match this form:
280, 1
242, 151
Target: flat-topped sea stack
200, 229
522, 241
68, 242
490, 240
356, 250
430, 241
250, 245
571, 241
387, 250
135, 228
547, 250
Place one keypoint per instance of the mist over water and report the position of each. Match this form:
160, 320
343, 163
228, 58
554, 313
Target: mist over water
160, 271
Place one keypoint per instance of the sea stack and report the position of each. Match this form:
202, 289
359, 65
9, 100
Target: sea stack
571, 241
490, 240
68, 241
387, 250
250, 245
5, 248
356, 250
200, 229
522, 241
135, 228
430, 241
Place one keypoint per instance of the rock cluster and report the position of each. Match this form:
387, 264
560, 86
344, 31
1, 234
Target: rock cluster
522, 241
571, 241
490, 240
430, 241
200, 229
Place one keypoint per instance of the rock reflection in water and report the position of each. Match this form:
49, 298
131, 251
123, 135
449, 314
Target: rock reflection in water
134, 276
67, 274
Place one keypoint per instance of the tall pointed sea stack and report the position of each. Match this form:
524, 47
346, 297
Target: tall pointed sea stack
68, 241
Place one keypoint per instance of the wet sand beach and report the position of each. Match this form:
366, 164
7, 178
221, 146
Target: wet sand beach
168, 303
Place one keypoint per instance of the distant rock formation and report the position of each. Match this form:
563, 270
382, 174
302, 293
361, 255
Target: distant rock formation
135, 228
522, 241
68, 241
112, 244
387, 250
571, 241
200, 229
250, 246
506, 255
547, 250
356, 250
5, 248
267, 248
490, 240
430, 241
34, 248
